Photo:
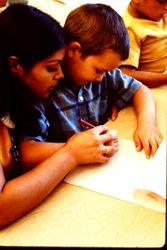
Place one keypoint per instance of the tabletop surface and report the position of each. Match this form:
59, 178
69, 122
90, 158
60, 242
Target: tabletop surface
74, 216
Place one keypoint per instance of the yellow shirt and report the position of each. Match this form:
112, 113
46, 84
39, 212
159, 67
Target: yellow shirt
148, 43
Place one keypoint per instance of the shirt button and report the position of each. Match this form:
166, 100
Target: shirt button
81, 98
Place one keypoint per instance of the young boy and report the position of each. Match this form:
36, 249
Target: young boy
97, 42
146, 21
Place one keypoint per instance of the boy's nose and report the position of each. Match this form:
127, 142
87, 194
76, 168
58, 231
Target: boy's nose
100, 77
61, 74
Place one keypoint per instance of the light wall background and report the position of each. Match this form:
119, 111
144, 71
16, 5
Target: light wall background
60, 11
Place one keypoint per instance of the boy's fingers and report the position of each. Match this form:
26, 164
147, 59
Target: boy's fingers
114, 113
138, 143
147, 151
154, 143
147, 148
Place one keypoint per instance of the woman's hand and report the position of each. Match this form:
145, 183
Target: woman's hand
95, 145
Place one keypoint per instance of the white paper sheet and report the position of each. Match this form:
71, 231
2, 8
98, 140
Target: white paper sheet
128, 175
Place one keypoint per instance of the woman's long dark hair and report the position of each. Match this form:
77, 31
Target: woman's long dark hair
30, 35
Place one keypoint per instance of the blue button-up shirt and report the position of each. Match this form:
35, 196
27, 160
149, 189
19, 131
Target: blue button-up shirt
60, 114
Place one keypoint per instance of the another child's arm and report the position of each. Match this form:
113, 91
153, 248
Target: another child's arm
146, 135
151, 79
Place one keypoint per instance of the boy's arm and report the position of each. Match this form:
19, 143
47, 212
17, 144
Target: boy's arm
146, 135
151, 79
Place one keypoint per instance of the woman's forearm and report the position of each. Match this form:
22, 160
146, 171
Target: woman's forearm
32, 152
25, 192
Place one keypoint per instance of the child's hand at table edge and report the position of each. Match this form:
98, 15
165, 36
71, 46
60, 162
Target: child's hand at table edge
148, 138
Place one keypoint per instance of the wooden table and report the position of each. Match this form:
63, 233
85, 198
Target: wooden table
74, 216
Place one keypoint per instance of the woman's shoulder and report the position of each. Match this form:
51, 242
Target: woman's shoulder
8, 150
6, 158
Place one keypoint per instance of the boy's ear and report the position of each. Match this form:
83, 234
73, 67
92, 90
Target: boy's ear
14, 65
73, 49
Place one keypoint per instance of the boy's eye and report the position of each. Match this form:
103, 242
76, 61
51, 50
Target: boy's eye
52, 69
98, 71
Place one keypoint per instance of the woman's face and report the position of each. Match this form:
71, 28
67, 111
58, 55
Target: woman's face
44, 75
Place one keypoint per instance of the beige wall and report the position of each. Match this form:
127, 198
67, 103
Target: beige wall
118, 5
60, 11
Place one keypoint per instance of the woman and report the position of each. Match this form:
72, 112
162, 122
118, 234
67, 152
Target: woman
31, 50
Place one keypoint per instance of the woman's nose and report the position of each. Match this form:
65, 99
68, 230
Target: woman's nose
59, 74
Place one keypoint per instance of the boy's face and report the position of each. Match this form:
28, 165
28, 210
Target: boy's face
152, 9
82, 70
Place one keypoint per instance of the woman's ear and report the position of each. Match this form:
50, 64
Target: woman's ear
73, 49
14, 65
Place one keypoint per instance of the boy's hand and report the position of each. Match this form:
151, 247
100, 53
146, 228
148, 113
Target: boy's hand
148, 138
114, 113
